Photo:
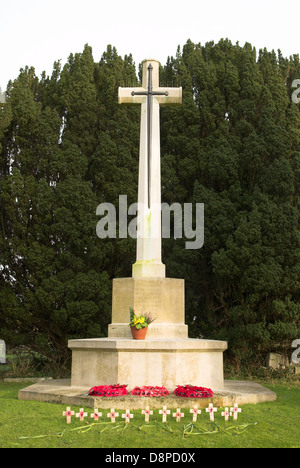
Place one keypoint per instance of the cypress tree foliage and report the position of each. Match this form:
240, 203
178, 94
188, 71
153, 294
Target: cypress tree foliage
55, 271
113, 168
242, 155
234, 145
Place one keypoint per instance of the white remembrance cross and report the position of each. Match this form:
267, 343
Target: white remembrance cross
150, 96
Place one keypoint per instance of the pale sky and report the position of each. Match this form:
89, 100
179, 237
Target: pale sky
39, 32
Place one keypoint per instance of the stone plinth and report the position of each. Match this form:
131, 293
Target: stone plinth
166, 358
163, 298
61, 392
155, 362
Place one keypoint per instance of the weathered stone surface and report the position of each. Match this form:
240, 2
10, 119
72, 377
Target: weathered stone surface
61, 392
277, 361
149, 255
155, 362
163, 298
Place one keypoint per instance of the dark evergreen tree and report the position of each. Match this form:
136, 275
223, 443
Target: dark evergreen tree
66, 146
55, 271
244, 150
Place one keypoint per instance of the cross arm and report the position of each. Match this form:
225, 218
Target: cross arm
137, 95
125, 95
170, 96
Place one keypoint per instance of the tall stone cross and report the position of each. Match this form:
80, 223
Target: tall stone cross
151, 96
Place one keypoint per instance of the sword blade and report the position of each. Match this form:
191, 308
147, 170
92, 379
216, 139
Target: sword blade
149, 136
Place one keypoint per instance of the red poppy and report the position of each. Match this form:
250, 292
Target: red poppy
109, 390
150, 391
189, 391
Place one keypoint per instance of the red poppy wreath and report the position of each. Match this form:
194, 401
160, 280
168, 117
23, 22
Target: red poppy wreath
190, 391
150, 391
109, 390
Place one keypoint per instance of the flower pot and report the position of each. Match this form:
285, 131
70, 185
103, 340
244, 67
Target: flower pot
139, 334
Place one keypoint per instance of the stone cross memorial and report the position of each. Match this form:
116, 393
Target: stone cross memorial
150, 96
167, 357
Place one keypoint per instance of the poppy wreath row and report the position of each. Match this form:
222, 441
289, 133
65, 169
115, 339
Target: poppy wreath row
150, 391
189, 391
109, 390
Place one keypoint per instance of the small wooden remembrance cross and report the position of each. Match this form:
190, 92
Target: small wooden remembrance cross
68, 413
235, 411
195, 411
211, 410
178, 415
96, 415
164, 413
127, 416
226, 414
147, 413
113, 415
81, 415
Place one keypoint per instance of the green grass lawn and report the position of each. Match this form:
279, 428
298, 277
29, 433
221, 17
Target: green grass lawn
33, 424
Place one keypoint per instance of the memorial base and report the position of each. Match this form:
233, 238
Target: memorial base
152, 362
166, 358
162, 298
61, 392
